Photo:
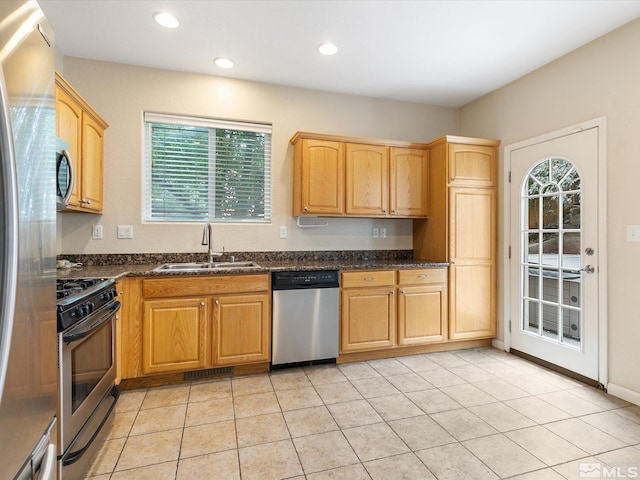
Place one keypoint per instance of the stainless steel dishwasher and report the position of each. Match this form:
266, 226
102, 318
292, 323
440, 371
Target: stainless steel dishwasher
305, 317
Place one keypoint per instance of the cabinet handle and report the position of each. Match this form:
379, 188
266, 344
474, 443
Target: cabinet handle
423, 275
202, 304
217, 302
368, 279
402, 292
391, 292
306, 209
384, 211
393, 212
117, 317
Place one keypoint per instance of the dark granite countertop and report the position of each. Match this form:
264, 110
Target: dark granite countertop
96, 266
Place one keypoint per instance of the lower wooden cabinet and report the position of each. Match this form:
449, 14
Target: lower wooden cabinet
391, 309
368, 319
243, 329
175, 335
178, 324
422, 306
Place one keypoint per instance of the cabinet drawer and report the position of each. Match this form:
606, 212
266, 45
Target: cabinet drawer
422, 276
366, 278
204, 285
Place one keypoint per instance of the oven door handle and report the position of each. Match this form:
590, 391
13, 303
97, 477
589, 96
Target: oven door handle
74, 336
73, 457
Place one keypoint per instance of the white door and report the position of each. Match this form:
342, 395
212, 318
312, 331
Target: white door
554, 251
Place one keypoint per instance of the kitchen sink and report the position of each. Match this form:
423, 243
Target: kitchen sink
202, 266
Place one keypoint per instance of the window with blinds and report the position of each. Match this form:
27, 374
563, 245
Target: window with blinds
200, 169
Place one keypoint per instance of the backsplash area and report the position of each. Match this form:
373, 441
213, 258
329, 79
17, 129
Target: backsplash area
293, 256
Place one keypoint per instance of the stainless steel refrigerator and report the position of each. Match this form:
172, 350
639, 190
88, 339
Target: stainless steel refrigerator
28, 348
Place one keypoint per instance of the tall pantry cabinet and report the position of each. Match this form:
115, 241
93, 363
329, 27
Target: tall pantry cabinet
461, 229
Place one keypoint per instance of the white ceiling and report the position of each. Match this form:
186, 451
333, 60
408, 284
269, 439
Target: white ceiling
438, 52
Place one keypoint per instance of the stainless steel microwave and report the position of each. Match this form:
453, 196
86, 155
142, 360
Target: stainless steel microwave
65, 176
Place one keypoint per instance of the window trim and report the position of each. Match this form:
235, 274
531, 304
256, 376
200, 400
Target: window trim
210, 123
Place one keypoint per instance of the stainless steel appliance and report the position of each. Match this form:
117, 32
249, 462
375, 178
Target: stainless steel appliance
305, 317
28, 349
86, 344
65, 175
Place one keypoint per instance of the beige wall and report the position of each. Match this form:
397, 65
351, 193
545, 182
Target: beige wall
121, 93
600, 79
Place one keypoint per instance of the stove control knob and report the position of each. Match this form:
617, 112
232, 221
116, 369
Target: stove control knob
90, 307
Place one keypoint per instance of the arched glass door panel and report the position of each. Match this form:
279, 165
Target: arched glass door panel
550, 263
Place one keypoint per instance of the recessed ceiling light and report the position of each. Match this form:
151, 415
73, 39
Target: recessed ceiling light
327, 49
223, 62
166, 19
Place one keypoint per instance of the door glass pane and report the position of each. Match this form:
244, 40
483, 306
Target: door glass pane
571, 210
550, 235
571, 326
534, 212
550, 212
550, 250
532, 248
531, 316
550, 321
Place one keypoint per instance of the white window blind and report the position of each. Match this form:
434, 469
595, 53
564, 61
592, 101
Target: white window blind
200, 169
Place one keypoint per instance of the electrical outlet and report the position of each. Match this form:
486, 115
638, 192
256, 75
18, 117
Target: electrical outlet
375, 233
283, 232
125, 231
96, 232
383, 232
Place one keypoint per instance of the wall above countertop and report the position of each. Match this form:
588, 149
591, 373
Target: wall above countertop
122, 93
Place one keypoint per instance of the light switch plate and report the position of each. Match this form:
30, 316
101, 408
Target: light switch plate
375, 233
633, 233
125, 231
283, 232
383, 232
96, 232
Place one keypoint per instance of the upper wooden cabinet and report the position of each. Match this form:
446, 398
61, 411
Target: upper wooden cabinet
367, 180
462, 230
409, 182
318, 186
472, 165
83, 129
347, 176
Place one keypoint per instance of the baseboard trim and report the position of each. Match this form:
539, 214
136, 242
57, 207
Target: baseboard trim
623, 393
499, 344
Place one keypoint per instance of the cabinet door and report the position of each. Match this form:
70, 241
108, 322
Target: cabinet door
92, 163
69, 129
367, 180
422, 314
472, 165
408, 182
175, 335
322, 177
472, 302
242, 329
368, 319
472, 246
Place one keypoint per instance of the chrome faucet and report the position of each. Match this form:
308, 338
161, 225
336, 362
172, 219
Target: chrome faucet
207, 239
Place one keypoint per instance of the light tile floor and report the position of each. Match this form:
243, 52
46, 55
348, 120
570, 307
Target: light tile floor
471, 414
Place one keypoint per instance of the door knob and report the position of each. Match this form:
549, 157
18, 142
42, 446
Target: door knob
588, 269
588, 251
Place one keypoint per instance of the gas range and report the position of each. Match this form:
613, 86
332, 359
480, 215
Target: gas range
78, 298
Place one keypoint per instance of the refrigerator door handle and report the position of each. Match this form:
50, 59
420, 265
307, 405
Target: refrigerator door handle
9, 223
49, 463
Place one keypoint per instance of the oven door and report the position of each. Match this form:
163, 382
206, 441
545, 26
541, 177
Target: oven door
87, 369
